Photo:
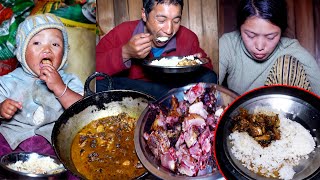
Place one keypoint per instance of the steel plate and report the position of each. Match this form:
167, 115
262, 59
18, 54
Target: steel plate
25, 156
224, 97
173, 69
297, 105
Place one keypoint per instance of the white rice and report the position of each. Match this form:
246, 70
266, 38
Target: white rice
280, 156
131, 106
35, 165
172, 61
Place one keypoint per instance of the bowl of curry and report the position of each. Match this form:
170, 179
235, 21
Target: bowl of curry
94, 138
105, 146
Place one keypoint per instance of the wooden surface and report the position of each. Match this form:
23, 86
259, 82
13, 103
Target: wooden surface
317, 29
291, 30
106, 18
227, 16
198, 15
304, 24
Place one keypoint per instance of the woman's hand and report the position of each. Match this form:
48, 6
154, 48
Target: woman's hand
9, 107
52, 78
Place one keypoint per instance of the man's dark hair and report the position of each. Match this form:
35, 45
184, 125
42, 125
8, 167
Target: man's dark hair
275, 11
148, 4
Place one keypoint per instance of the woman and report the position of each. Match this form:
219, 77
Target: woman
257, 54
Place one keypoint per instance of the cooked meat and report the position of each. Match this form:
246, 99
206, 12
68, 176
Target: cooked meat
263, 128
255, 131
181, 136
106, 149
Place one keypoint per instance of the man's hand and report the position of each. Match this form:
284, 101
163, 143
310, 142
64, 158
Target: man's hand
9, 107
138, 47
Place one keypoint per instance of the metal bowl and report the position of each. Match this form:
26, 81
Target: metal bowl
173, 69
296, 104
224, 97
25, 156
85, 111
92, 107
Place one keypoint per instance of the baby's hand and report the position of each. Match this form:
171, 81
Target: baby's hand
52, 78
9, 107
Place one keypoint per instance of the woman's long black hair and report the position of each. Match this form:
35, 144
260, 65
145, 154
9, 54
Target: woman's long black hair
275, 11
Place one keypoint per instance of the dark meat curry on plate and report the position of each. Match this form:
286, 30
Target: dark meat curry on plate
263, 128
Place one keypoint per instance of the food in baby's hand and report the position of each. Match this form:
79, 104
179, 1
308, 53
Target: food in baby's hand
46, 61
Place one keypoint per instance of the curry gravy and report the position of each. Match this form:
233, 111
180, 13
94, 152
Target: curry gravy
104, 149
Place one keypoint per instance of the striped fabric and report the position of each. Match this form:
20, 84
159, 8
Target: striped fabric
287, 70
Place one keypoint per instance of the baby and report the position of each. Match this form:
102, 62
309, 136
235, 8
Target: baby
33, 96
